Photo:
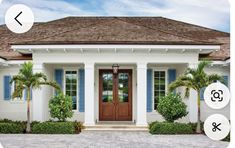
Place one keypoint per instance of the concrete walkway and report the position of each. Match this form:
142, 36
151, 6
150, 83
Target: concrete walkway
109, 139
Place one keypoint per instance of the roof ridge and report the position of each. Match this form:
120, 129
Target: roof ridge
183, 36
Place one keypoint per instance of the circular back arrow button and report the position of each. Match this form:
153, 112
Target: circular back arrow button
19, 18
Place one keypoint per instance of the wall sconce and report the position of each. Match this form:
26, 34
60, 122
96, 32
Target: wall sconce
115, 68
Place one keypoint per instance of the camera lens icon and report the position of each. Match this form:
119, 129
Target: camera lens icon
217, 95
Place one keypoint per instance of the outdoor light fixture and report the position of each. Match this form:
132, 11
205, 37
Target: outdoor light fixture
115, 68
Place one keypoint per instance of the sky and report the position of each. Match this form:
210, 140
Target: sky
213, 14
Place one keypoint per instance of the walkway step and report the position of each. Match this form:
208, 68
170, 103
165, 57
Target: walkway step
117, 127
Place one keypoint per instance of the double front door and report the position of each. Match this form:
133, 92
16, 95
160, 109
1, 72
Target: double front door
115, 95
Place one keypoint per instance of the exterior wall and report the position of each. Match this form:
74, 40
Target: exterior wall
9, 109
180, 68
79, 116
130, 60
51, 61
205, 110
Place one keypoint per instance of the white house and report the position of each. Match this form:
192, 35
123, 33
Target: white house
80, 53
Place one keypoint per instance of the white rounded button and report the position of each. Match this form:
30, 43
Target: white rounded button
19, 18
216, 127
217, 95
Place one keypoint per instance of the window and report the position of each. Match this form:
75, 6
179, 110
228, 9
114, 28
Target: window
71, 86
159, 86
19, 98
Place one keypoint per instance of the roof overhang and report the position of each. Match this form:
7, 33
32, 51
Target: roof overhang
2, 61
201, 49
221, 63
6, 63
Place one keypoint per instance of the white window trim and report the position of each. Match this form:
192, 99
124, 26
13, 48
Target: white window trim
64, 84
166, 82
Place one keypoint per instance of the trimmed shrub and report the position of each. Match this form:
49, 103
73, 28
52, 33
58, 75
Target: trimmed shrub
61, 107
194, 126
170, 128
78, 126
171, 107
53, 128
11, 128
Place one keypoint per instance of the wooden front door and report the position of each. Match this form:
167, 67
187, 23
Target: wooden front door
115, 95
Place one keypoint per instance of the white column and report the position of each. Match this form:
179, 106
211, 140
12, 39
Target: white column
38, 97
192, 102
141, 94
89, 94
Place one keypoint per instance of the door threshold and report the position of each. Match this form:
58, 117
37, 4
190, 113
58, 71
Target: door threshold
115, 123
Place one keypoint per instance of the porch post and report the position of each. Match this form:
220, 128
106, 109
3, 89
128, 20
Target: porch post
192, 102
89, 94
141, 94
38, 97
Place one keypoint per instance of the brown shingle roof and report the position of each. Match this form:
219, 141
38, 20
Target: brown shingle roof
115, 30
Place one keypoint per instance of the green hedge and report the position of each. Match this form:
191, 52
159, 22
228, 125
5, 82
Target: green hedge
11, 128
54, 128
170, 128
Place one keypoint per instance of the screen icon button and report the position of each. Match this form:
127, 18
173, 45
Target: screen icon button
217, 127
217, 95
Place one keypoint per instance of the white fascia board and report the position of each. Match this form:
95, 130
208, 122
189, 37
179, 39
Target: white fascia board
202, 47
15, 62
228, 61
224, 63
2, 60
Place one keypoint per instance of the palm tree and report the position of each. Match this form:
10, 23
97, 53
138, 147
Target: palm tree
195, 79
27, 80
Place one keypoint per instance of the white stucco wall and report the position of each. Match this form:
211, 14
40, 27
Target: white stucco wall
52, 61
180, 68
50, 69
14, 110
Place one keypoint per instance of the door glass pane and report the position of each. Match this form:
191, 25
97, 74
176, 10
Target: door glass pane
159, 86
123, 87
71, 86
107, 94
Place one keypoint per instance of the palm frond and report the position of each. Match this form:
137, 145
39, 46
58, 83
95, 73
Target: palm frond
18, 90
215, 77
181, 81
202, 65
40, 76
52, 83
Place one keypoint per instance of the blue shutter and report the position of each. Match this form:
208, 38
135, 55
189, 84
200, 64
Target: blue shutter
7, 87
171, 76
225, 80
202, 93
149, 89
81, 90
59, 77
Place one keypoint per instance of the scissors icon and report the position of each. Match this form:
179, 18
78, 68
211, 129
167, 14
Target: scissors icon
216, 127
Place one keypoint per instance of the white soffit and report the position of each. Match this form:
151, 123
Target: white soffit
202, 49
